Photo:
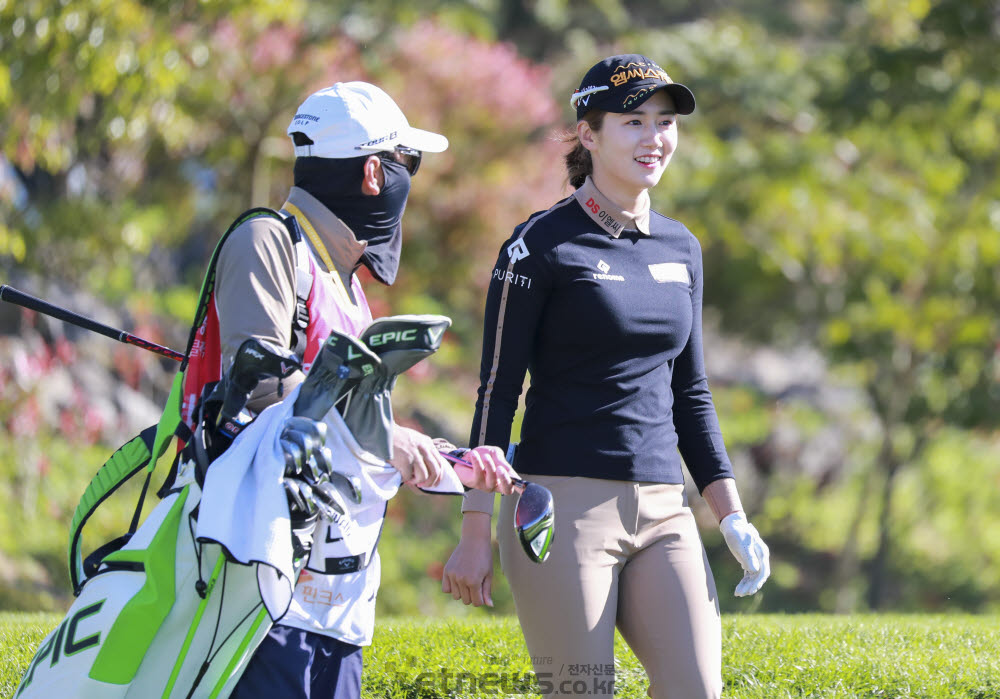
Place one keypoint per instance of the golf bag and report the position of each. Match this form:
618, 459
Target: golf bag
148, 623
149, 607
165, 616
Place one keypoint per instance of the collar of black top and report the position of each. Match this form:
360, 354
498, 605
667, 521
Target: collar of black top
622, 83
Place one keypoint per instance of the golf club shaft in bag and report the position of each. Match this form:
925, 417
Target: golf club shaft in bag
12, 295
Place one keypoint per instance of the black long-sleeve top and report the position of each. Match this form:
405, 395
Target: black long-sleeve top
608, 322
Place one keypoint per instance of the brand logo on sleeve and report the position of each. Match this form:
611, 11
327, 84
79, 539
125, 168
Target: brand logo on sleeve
604, 276
517, 250
515, 279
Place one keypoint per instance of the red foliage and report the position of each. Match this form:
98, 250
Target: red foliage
455, 71
25, 418
275, 48
435, 570
65, 351
502, 163
67, 421
30, 406
129, 365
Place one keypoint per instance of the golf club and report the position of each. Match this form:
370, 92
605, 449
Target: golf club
255, 360
302, 442
12, 295
534, 514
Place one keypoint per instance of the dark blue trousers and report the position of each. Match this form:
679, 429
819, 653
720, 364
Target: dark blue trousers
295, 664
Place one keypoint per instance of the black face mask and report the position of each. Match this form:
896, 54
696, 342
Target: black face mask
377, 219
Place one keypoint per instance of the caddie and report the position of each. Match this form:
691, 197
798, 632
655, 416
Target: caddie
355, 154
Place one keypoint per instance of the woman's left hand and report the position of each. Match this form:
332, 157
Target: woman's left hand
490, 470
468, 575
749, 549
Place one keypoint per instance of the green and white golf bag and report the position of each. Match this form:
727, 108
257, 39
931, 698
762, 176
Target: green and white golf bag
141, 626
157, 613
177, 610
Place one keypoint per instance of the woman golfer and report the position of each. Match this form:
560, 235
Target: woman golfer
601, 298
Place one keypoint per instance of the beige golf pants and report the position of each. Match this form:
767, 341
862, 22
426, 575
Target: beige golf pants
625, 554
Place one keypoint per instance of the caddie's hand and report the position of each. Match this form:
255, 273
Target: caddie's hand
415, 457
490, 470
468, 575
442, 444
749, 549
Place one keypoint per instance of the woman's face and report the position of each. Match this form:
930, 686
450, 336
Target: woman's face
631, 150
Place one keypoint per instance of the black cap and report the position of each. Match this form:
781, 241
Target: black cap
621, 83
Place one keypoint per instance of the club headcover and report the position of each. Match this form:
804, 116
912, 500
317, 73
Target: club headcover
400, 342
335, 373
369, 415
254, 360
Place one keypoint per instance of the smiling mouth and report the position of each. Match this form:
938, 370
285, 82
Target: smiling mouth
648, 159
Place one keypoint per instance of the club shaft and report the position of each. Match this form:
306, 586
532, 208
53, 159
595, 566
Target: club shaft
12, 295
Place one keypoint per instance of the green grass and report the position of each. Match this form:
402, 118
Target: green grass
764, 657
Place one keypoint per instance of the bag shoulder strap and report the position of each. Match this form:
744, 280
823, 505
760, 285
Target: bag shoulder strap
303, 285
123, 464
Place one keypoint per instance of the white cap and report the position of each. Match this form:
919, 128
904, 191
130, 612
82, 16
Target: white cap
350, 119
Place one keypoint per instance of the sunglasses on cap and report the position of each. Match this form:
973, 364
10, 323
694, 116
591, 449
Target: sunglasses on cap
407, 157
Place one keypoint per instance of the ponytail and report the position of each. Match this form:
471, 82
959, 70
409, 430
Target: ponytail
579, 164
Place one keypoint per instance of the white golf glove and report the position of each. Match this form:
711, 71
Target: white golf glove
749, 549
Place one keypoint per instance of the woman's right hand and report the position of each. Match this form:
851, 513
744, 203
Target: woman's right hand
468, 575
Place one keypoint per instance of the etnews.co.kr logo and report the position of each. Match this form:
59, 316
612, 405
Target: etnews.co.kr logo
604, 276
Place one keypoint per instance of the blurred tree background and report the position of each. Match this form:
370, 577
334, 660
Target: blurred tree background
841, 172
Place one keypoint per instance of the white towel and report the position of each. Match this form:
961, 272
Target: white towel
450, 484
244, 508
